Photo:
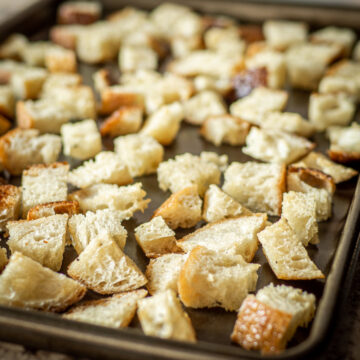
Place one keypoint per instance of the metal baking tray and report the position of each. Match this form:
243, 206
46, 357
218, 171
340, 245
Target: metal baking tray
336, 255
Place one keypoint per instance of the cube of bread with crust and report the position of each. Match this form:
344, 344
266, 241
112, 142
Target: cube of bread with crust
5, 125
78, 12
45, 115
276, 146
300, 212
42, 240
318, 161
8, 68
10, 203
13, 46
127, 13
42, 184
156, 238
81, 140
27, 284
125, 120
226, 40
186, 170
84, 228
257, 186
330, 109
106, 168
34, 53
281, 34
59, 80
261, 327
202, 105
225, 129
141, 153
7, 101
60, 60
218, 205
163, 272
182, 46
162, 315
102, 80
66, 35
230, 281
104, 268
182, 208
164, 124
344, 143
116, 311
20, 148
3, 258
236, 235
286, 254
126, 199
221, 161
261, 101
133, 58
53, 208
221, 85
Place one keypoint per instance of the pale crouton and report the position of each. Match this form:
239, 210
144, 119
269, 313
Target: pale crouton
27, 284
182, 46
182, 208
42, 240
141, 153
286, 254
163, 272
162, 315
81, 140
66, 35
230, 281
84, 228
225, 129
156, 238
10, 203
276, 146
13, 47
60, 60
20, 148
53, 208
78, 12
259, 187
222, 85
225, 40
102, 80
107, 168
34, 53
3, 258
132, 58
104, 268
42, 184
221, 161
8, 68
7, 101
126, 199
116, 311
55, 81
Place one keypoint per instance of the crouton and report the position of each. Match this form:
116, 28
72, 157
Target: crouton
66, 35
53, 208
7, 101
60, 60
3, 259
79, 12
34, 53
10, 203
13, 47
132, 58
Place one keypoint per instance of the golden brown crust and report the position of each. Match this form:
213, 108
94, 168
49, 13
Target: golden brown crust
5, 124
112, 101
282, 188
343, 156
61, 63
23, 118
8, 195
33, 169
60, 207
71, 14
5, 141
255, 48
251, 33
62, 36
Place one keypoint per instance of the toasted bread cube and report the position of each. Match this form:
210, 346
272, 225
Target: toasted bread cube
3, 258
163, 272
84, 228
42, 184
132, 58
34, 53
276, 146
221, 161
202, 105
55, 81
53, 208
27, 284
116, 311
81, 140
13, 47
42, 240
141, 153
60, 60
126, 199
261, 101
221, 85
226, 40
8, 68
162, 315
106, 168
330, 109
66, 35
182, 46
156, 238
10, 203
7, 101
104, 268
315, 160
259, 187
78, 12
20, 148
45, 115
281, 34
102, 80
128, 13
181, 209
230, 281
5, 125
164, 124
125, 120
286, 254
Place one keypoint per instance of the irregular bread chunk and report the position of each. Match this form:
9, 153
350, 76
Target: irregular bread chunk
3, 258
78, 12
10, 203
34, 52
7, 101
66, 35
13, 46
59, 80
25, 283
102, 80
286, 254
221, 161
60, 60
162, 315
104, 268
225, 40
53, 208
210, 279
135, 57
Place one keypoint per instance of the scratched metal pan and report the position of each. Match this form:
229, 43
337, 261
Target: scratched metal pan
336, 255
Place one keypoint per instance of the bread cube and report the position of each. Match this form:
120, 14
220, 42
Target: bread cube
182, 46
34, 53
3, 259
78, 12
55, 81
66, 35
8, 68
226, 40
60, 60
222, 85
5, 125
132, 58
13, 46
10, 203
53, 208
141, 153
7, 101
102, 80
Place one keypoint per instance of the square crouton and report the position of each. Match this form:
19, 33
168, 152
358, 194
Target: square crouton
156, 238
356, 51
107, 168
66, 35
133, 58
7, 101
257, 186
206, 82
13, 47
226, 40
34, 53
55, 81
42, 184
286, 254
102, 80
42, 240
53, 208
60, 60
141, 153
10, 203
81, 140
78, 12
